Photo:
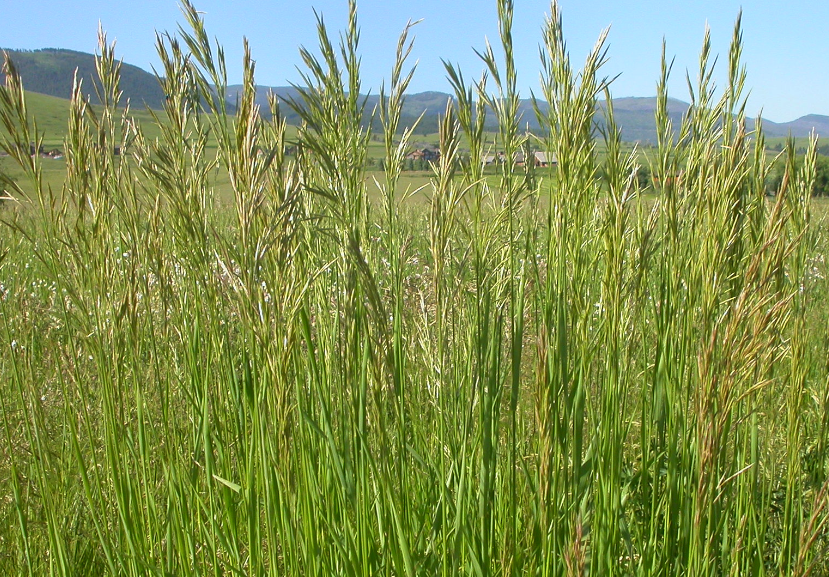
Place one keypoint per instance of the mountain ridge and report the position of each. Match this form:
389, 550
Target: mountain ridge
51, 71
634, 114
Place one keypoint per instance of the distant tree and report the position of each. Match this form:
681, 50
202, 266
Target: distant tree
821, 186
643, 177
821, 177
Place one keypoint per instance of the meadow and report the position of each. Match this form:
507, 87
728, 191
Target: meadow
302, 370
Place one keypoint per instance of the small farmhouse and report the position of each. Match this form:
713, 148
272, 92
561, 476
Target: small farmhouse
539, 159
543, 160
426, 153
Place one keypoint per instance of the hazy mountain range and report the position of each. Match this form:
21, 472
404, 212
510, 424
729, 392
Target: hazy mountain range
50, 71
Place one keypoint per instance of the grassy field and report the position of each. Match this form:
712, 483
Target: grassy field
221, 359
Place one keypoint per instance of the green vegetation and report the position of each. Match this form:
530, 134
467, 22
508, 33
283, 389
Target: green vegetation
533, 373
820, 185
51, 71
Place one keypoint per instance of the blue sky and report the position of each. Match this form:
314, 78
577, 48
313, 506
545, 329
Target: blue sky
785, 50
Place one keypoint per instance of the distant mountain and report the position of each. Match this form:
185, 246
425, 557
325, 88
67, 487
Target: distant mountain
801, 127
51, 71
634, 115
431, 104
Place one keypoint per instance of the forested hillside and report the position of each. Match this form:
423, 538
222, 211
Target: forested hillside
51, 71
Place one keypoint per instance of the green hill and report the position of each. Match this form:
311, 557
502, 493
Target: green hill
51, 71
52, 116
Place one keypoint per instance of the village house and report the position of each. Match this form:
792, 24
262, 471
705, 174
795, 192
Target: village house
426, 153
490, 159
540, 159
543, 160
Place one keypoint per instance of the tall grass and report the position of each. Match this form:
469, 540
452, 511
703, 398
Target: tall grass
556, 374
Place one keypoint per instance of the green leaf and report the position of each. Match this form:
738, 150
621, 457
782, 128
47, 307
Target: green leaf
229, 484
